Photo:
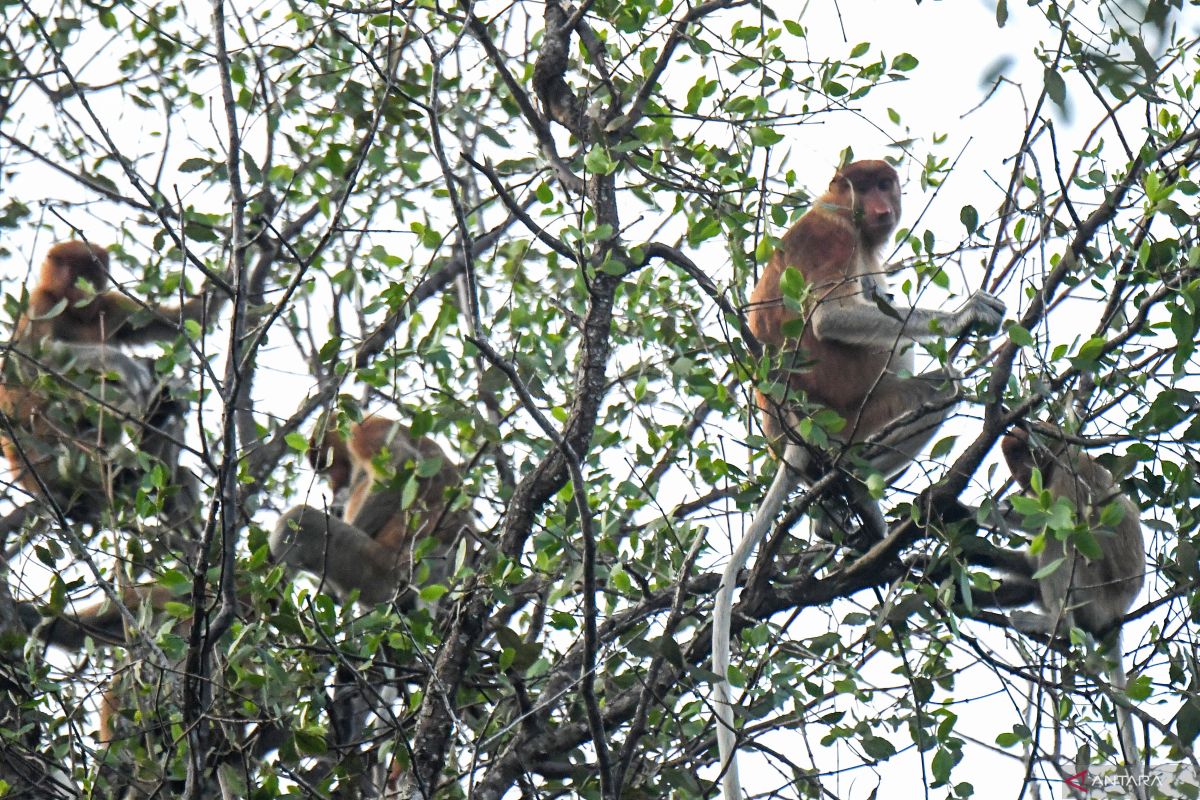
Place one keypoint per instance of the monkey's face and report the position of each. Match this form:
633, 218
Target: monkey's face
72, 279
876, 193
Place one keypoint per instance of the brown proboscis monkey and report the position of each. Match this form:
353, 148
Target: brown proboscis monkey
371, 547
853, 356
69, 387
1093, 594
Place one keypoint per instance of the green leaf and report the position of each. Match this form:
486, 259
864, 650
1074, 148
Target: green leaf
792, 284
878, 748
409, 494
177, 610
1049, 569
1187, 721
764, 137
309, 740
1089, 353
1056, 88
905, 62
1112, 514
433, 592
943, 762
195, 165
1139, 688
1019, 336
297, 441
1085, 542
1001, 12
969, 218
428, 467
598, 162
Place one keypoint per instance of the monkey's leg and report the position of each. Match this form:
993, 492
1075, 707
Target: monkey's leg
309, 539
926, 399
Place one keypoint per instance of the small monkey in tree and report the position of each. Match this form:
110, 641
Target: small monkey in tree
850, 356
400, 491
64, 441
1092, 593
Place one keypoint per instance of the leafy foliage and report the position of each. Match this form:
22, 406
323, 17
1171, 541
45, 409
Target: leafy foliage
528, 230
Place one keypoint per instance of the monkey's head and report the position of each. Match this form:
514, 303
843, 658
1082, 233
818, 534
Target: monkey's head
872, 189
68, 263
1023, 456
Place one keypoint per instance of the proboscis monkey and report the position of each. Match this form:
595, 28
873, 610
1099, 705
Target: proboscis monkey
853, 354
69, 388
401, 491
1092, 594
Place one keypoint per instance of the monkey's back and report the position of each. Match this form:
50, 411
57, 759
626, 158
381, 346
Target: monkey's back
1100, 590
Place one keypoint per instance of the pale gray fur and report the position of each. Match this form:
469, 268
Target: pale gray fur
1093, 595
865, 324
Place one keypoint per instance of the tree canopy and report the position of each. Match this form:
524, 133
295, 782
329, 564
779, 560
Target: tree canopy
529, 231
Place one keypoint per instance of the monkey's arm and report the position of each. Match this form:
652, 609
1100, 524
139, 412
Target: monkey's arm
379, 506
129, 322
101, 621
136, 377
854, 322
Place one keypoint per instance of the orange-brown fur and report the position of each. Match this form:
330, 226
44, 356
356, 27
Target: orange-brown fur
851, 356
72, 309
834, 246
352, 465
371, 547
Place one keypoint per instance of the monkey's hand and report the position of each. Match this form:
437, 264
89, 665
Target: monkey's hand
982, 313
1032, 622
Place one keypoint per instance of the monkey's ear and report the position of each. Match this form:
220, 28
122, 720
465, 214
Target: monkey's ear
320, 453
329, 457
1019, 456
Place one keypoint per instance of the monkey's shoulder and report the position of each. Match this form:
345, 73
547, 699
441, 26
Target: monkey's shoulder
819, 245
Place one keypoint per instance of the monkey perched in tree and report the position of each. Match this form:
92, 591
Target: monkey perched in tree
852, 353
1092, 594
400, 492
69, 390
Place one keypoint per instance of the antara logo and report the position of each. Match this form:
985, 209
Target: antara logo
1077, 781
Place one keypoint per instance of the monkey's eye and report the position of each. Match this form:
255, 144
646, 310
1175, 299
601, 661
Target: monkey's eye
885, 185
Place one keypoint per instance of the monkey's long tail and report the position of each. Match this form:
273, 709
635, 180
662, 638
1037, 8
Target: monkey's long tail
1125, 721
785, 480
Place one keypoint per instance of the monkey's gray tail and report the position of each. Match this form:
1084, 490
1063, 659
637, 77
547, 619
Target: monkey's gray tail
1125, 732
785, 480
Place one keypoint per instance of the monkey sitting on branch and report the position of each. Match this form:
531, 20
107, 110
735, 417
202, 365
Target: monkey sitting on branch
79, 415
850, 351
1087, 576
402, 490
